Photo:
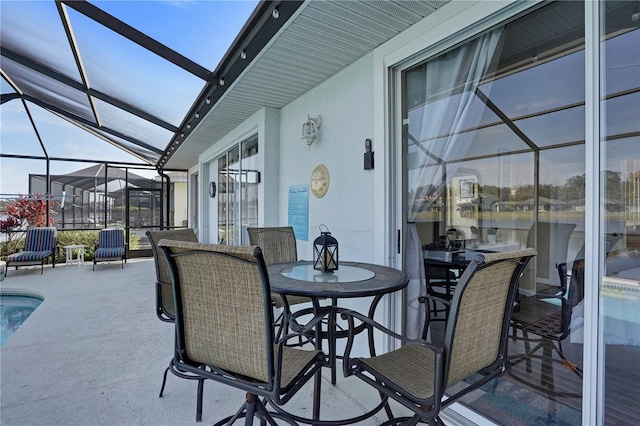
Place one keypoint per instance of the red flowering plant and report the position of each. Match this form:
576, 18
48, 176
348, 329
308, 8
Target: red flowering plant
25, 211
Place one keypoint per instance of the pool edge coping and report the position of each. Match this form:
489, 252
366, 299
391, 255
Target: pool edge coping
21, 292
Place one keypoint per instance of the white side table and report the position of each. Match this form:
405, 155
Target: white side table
79, 256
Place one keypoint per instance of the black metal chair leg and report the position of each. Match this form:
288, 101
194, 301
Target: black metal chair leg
199, 400
164, 379
387, 409
172, 368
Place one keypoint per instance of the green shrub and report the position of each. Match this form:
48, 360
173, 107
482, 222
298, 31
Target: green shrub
68, 238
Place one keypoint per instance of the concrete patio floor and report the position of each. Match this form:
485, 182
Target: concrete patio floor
93, 353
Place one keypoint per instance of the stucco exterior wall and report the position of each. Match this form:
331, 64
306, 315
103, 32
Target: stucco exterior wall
180, 197
345, 104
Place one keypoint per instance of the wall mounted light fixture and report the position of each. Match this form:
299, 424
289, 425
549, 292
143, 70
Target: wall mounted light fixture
310, 129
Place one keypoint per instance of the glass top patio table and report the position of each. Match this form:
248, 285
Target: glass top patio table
352, 279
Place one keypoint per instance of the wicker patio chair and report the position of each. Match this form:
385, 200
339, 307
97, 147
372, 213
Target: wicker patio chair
165, 307
232, 334
110, 247
39, 244
476, 335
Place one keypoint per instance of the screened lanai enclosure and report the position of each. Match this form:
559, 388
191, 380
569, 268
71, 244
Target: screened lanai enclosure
104, 196
97, 197
92, 103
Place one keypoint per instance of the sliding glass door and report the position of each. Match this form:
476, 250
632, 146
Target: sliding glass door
238, 179
496, 157
494, 161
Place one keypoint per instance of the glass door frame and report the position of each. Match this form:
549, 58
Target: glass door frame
593, 362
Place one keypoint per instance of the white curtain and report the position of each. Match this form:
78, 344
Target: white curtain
451, 106
435, 135
417, 286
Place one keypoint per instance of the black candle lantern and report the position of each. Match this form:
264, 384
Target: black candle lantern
325, 249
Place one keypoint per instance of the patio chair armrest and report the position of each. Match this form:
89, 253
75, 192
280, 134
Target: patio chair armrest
308, 328
349, 315
424, 299
427, 319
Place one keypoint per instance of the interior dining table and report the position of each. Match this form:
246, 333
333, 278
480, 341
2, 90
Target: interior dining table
350, 280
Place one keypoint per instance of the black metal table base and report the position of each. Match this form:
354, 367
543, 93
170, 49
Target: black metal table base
254, 407
369, 280
331, 335
338, 422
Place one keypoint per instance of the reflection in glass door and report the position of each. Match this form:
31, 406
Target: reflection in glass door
238, 179
494, 154
619, 207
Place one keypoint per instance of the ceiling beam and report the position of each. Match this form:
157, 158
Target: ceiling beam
139, 38
6, 97
68, 29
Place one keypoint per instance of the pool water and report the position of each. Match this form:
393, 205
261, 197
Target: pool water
14, 311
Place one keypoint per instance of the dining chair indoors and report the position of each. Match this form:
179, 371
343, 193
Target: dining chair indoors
39, 244
547, 322
165, 307
110, 247
233, 334
440, 285
474, 347
552, 330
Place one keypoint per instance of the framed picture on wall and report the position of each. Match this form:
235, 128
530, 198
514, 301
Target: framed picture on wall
466, 188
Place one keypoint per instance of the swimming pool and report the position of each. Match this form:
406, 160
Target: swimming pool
14, 311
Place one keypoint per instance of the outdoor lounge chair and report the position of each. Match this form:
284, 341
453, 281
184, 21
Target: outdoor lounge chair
165, 307
231, 338
39, 244
110, 247
476, 336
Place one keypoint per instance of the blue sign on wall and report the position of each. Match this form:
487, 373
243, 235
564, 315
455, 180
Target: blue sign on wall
299, 211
